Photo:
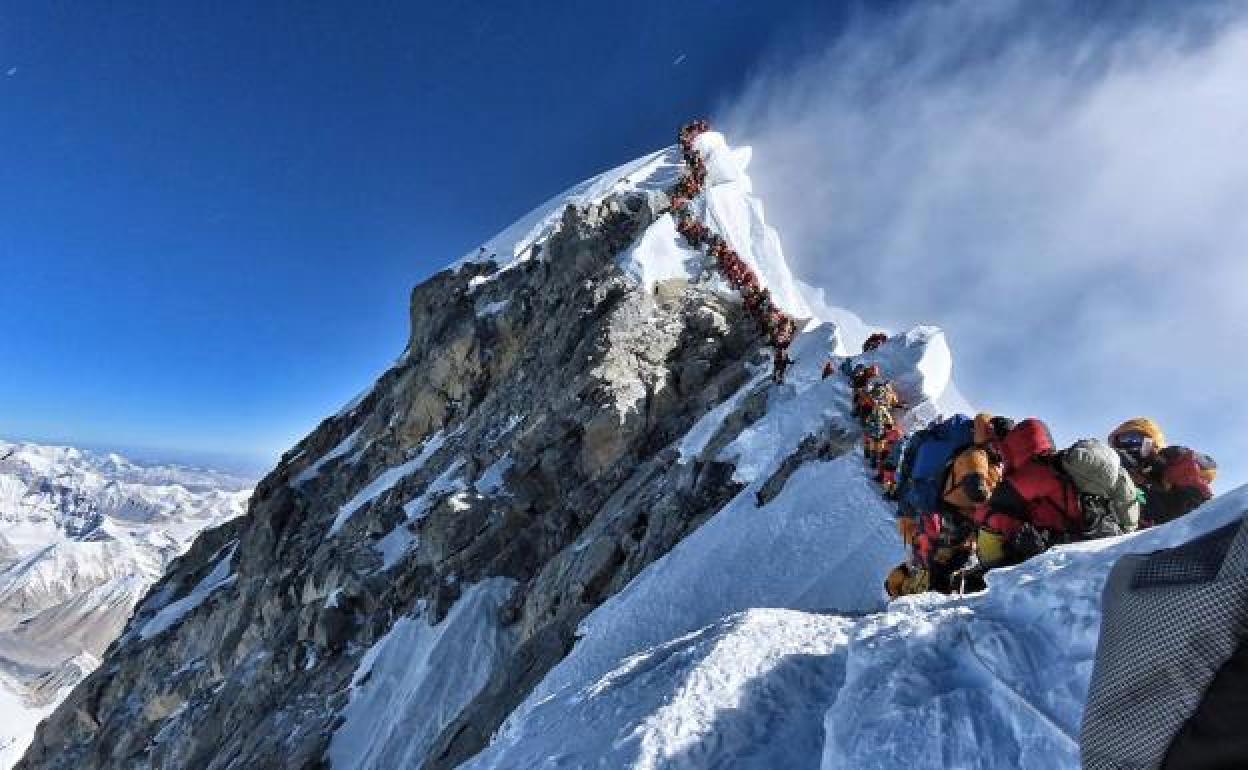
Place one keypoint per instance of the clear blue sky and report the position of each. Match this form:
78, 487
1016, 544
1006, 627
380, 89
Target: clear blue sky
211, 213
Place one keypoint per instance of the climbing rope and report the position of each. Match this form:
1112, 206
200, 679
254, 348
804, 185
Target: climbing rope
777, 325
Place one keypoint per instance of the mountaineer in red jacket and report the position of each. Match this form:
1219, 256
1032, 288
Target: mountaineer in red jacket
1034, 500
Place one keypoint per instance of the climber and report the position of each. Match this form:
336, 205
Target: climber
1175, 480
780, 364
859, 379
890, 458
942, 556
949, 468
1032, 501
874, 341
879, 421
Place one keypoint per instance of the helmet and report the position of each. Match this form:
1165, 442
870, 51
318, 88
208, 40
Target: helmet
1143, 427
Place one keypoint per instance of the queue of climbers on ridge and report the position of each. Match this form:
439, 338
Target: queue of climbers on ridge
975, 493
779, 327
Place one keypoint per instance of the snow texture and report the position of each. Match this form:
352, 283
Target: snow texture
492, 308
747, 692
417, 678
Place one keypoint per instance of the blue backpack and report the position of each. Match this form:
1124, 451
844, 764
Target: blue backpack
927, 457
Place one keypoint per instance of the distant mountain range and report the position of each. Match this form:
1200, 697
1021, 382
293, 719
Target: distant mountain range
82, 536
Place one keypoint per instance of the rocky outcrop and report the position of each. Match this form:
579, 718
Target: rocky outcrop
527, 433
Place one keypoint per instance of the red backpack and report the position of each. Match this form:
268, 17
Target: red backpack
1029, 439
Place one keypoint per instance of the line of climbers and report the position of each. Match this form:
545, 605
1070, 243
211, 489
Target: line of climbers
984, 492
778, 325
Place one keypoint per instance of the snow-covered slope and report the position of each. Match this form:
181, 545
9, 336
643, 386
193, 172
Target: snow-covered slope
82, 536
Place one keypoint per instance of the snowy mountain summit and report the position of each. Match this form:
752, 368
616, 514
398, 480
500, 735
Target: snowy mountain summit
82, 537
577, 525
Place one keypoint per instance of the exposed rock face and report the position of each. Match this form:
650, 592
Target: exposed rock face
527, 435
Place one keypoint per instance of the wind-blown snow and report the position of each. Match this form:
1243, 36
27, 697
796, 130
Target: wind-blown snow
417, 678
170, 615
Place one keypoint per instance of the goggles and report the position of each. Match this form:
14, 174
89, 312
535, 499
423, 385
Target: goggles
1134, 442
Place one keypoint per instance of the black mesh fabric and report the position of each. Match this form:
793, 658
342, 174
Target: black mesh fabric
1170, 621
1194, 562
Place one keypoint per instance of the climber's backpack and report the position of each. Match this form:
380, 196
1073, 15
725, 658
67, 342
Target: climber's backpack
1107, 494
926, 460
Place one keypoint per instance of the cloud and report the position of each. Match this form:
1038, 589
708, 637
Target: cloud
1063, 194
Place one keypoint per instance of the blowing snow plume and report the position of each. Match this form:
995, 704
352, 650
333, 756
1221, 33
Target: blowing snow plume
1062, 193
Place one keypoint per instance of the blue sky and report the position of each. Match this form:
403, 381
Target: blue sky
210, 217
211, 214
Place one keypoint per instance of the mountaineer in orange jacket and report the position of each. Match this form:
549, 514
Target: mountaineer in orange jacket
1175, 480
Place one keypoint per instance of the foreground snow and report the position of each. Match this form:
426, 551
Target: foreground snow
995, 680
82, 537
